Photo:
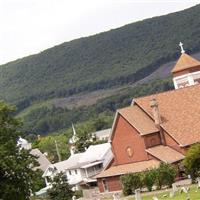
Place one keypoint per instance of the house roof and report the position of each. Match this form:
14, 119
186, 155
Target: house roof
103, 133
71, 162
95, 153
185, 62
42, 160
91, 164
137, 118
129, 168
180, 113
165, 154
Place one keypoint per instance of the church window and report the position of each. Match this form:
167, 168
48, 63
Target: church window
196, 78
182, 82
129, 151
70, 173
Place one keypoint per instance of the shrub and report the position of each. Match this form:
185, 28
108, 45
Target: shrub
149, 179
60, 188
131, 182
78, 193
165, 175
192, 161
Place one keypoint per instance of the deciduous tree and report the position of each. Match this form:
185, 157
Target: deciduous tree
192, 160
16, 174
60, 188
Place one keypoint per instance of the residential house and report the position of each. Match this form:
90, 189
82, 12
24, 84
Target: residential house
81, 168
102, 134
41, 158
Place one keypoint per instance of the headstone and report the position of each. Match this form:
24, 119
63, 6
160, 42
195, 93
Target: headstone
174, 187
74, 198
155, 198
185, 190
198, 182
137, 195
115, 196
171, 194
187, 198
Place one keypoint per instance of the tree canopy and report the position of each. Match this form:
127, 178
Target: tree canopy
60, 188
192, 160
16, 165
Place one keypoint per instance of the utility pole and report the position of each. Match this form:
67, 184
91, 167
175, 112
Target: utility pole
58, 154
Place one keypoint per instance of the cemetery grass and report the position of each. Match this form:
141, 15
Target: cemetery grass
194, 194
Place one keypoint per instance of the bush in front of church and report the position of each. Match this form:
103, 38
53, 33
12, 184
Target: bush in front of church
164, 175
149, 179
131, 182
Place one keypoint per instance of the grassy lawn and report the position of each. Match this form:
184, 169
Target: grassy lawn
194, 194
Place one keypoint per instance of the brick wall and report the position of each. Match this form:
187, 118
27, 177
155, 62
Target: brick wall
100, 185
113, 184
127, 144
173, 144
152, 140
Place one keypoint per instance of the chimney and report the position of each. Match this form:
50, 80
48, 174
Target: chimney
157, 119
156, 113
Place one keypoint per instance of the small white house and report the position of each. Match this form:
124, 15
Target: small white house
81, 168
102, 134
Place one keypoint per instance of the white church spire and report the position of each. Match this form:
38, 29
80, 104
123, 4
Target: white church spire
72, 141
74, 131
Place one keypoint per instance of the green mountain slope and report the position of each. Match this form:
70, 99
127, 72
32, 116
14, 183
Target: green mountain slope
112, 58
44, 118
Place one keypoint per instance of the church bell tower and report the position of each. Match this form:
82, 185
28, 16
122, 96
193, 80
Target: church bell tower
186, 71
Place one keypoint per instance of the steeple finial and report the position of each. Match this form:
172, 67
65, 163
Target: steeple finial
181, 45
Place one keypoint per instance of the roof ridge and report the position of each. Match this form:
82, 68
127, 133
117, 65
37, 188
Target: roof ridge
168, 91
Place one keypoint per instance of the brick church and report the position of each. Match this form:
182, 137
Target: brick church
156, 128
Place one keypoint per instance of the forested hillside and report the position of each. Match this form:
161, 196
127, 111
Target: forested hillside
46, 118
112, 58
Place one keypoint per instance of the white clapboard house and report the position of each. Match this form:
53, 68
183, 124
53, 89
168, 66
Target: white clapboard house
81, 168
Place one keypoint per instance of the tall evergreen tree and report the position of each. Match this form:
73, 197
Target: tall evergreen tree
16, 174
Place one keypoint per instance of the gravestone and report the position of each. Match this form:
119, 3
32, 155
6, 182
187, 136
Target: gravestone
174, 187
155, 198
74, 198
171, 194
137, 195
188, 197
184, 189
198, 182
115, 196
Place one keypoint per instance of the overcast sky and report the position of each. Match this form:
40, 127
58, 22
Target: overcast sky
30, 26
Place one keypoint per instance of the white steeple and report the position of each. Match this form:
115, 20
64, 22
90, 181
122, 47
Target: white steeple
72, 141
